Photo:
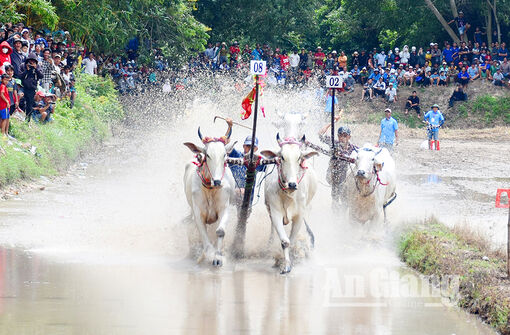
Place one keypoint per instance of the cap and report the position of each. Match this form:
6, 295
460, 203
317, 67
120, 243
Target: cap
387, 110
334, 52
344, 130
248, 141
435, 106
40, 93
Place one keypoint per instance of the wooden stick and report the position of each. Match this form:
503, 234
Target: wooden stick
236, 123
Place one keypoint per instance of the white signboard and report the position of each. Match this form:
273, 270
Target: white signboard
258, 67
334, 82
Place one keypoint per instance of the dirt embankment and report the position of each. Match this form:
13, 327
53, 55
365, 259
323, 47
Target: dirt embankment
486, 106
436, 250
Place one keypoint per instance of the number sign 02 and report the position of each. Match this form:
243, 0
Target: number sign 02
258, 67
334, 82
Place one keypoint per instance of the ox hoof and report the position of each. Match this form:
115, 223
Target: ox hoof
218, 259
286, 269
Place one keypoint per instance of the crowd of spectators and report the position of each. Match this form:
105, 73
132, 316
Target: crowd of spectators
37, 68
379, 72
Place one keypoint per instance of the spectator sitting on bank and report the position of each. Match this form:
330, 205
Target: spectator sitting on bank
458, 95
391, 93
434, 79
379, 87
409, 76
505, 67
368, 92
443, 80
349, 83
45, 107
473, 72
463, 77
499, 78
413, 102
485, 68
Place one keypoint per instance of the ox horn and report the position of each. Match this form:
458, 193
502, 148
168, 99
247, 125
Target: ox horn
278, 139
200, 134
229, 132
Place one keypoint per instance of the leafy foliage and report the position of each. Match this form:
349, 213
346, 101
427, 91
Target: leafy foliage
282, 22
33, 11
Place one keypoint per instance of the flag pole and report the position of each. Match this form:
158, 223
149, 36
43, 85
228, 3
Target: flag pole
250, 183
333, 119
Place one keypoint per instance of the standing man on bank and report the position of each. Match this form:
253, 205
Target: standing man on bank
29, 75
389, 131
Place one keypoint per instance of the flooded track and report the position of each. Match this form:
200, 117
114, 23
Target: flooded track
103, 250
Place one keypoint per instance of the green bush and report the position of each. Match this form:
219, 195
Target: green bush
60, 142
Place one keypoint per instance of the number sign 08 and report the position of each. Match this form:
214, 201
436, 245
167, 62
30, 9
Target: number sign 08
258, 67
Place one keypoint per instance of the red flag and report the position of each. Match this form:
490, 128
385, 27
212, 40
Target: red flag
246, 104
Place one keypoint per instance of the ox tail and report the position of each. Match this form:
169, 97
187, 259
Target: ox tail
393, 197
310, 233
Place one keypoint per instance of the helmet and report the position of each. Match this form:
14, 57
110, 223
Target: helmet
344, 130
248, 141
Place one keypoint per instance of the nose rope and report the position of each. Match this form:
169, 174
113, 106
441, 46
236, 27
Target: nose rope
280, 175
201, 174
378, 180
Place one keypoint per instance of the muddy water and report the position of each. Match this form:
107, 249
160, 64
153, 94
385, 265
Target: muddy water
103, 250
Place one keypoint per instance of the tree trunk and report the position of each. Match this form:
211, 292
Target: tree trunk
489, 27
441, 19
454, 8
493, 6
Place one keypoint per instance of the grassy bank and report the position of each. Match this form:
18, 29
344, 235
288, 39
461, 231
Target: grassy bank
487, 106
46, 149
434, 249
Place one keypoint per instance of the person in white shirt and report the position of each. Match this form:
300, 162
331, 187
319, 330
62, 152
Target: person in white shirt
380, 87
391, 93
89, 64
294, 61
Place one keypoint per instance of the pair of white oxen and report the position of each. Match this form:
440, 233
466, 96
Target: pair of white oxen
209, 187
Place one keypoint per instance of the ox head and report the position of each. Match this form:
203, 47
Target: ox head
290, 160
368, 161
213, 155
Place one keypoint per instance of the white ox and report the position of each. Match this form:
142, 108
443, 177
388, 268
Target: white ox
370, 184
289, 192
209, 188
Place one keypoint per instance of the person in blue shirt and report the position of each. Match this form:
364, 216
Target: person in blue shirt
448, 53
389, 131
463, 77
256, 54
503, 52
329, 101
434, 120
375, 76
455, 54
239, 171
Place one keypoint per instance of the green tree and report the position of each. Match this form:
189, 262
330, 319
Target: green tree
30, 11
107, 25
279, 22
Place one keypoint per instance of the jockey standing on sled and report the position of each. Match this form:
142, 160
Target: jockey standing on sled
434, 120
339, 161
239, 171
